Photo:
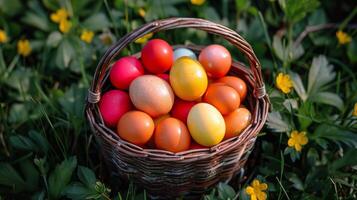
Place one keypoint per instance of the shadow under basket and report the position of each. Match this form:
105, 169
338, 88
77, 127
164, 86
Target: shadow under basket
163, 174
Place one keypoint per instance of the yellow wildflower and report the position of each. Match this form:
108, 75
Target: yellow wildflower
342, 37
297, 140
87, 36
65, 26
142, 12
355, 110
256, 190
144, 39
3, 36
24, 47
198, 2
60, 15
284, 83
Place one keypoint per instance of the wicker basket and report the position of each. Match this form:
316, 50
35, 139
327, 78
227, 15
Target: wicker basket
164, 174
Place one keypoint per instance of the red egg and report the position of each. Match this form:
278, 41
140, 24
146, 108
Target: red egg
124, 71
113, 105
166, 77
216, 60
181, 109
157, 56
194, 145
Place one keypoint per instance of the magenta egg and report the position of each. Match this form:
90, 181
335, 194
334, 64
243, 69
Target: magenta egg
181, 109
166, 77
124, 71
113, 105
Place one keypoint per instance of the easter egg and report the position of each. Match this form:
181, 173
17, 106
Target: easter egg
236, 83
172, 135
206, 124
223, 97
216, 60
124, 71
180, 52
166, 77
112, 105
181, 108
152, 95
188, 79
236, 122
157, 56
136, 127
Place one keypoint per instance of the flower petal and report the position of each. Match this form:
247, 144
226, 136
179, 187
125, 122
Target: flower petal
263, 186
256, 183
249, 190
262, 196
291, 142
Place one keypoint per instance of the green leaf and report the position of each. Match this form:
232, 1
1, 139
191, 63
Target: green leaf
86, 176
297, 183
225, 191
352, 51
276, 123
335, 134
65, 54
321, 73
286, 53
10, 177
31, 175
37, 21
328, 98
10, 7
297, 10
306, 114
349, 159
60, 177
18, 113
317, 17
54, 39
298, 86
41, 142
96, 22
77, 191
22, 143
72, 101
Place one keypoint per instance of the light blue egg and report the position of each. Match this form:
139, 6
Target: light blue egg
180, 52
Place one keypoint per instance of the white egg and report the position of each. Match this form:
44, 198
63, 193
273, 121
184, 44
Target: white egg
180, 52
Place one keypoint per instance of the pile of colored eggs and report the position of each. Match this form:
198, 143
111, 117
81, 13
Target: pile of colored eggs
170, 100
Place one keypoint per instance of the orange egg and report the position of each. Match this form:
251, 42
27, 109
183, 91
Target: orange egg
152, 95
223, 97
238, 84
172, 135
236, 122
136, 127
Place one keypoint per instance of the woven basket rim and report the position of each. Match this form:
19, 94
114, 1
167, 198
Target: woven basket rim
258, 95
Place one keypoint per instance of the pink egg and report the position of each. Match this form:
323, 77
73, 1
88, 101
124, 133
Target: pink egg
166, 77
216, 60
113, 105
181, 109
124, 71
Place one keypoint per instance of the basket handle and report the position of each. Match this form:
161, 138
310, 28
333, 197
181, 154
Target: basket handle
173, 23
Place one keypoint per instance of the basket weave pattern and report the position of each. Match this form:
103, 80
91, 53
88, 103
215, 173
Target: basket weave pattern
165, 174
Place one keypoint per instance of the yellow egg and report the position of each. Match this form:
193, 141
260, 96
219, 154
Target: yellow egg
206, 124
188, 79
